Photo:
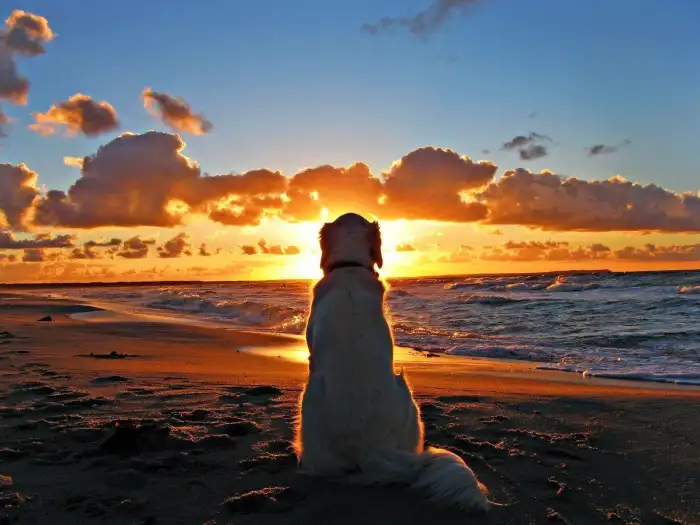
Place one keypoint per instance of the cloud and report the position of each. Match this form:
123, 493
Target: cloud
405, 247
85, 252
74, 162
264, 248
175, 112
108, 243
8, 258
428, 184
13, 86
135, 248
552, 202
602, 149
205, 252
134, 180
34, 255
652, 252
18, 193
562, 251
334, 188
42, 240
463, 254
423, 23
80, 114
178, 246
528, 147
4, 120
26, 33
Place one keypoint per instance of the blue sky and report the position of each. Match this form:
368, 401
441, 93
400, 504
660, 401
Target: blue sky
292, 84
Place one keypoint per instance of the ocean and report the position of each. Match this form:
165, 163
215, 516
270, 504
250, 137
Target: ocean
643, 326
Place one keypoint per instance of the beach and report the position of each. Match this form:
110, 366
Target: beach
119, 419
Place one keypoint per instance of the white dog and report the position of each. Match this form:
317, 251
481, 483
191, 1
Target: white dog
359, 422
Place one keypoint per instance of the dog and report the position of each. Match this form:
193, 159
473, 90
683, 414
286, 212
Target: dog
358, 420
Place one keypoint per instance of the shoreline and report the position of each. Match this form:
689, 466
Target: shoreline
293, 348
186, 424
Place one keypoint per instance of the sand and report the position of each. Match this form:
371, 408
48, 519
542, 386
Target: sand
118, 419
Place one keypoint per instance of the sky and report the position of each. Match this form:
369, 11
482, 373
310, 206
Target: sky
439, 100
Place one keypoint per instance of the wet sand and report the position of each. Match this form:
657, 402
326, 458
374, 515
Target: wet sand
111, 418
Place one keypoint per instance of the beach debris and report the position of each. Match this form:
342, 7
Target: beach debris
129, 440
112, 355
263, 390
48, 318
260, 500
110, 379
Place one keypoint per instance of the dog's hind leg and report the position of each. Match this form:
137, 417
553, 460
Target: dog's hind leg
311, 443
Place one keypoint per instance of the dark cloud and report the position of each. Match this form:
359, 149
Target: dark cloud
178, 246
423, 23
263, 247
18, 194
602, 149
552, 202
135, 248
34, 255
79, 114
528, 147
7, 258
204, 250
175, 112
108, 243
13, 86
405, 247
85, 252
26, 33
42, 240
532, 152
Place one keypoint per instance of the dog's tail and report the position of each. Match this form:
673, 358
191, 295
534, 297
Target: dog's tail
439, 474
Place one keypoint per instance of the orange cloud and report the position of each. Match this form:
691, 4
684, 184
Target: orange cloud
133, 179
175, 112
552, 202
26, 33
405, 247
18, 193
80, 114
4, 120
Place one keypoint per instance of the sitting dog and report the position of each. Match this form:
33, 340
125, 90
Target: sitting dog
359, 422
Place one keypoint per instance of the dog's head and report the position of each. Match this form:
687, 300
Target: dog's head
351, 239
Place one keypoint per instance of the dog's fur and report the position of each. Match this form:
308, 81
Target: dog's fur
359, 422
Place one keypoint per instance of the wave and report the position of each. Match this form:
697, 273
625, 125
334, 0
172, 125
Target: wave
505, 351
493, 300
562, 284
689, 289
245, 312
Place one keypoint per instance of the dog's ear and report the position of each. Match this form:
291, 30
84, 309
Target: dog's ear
375, 244
324, 241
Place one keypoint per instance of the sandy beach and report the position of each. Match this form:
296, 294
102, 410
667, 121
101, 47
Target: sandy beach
185, 424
